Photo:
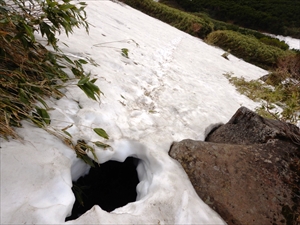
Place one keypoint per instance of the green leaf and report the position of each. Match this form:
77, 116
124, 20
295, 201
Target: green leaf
43, 102
78, 194
101, 133
82, 61
76, 72
29, 31
67, 133
65, 7
89, 148
94, 80
88, 91
87, 160
93, 87
83, 80
23, 96
101, 144
125, 52
44, 115
68, 59
65, 130
51, 3
5, 20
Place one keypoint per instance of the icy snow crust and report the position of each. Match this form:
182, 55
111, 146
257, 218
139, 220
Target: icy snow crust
170, 88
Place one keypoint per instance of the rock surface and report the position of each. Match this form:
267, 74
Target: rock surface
248, 170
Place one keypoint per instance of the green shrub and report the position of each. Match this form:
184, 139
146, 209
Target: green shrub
278, 17
172, 4
219, 25
183, 21
246, 47
274, 42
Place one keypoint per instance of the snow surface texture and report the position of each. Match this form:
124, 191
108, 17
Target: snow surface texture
170, 87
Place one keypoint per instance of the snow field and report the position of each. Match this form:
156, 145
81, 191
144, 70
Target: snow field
171, 87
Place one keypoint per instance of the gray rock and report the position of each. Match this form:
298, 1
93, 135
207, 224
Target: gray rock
249, 172
246, 127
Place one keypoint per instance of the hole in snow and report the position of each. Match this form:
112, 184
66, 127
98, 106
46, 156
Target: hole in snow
110, 185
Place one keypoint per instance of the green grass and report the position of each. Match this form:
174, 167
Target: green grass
284, 95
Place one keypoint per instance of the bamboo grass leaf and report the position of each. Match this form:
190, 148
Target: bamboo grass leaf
87, 160
29, 71
94, 80
67, 133
82, 61
43, 115
78, 194
66, 7
23, 96
101, 144
83, 80
101, 133
65, 130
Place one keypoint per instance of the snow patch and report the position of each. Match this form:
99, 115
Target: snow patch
170, 87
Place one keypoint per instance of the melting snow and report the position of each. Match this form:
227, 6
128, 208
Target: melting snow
169, 88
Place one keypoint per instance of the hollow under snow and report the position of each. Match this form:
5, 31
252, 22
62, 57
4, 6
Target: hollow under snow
170, 87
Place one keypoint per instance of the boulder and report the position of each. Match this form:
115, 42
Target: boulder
246, 127
247, 170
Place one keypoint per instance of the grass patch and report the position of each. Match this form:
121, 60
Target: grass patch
275, 90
